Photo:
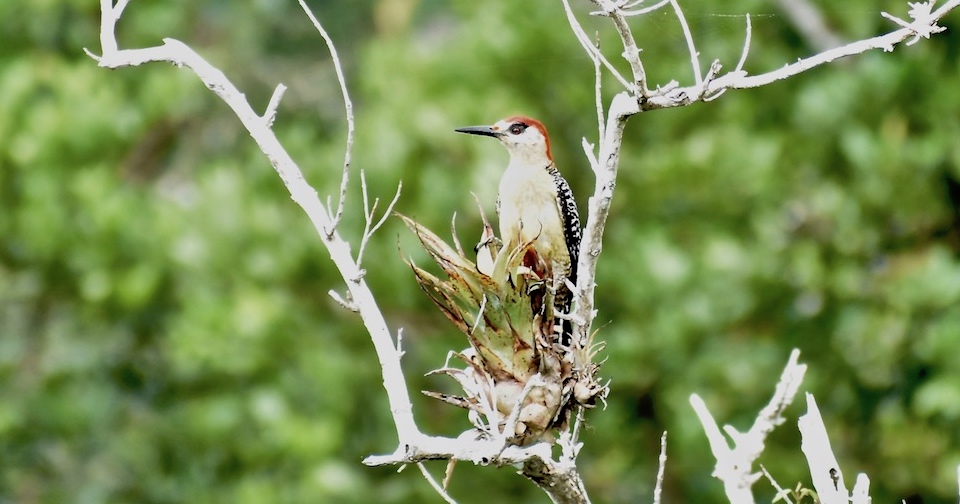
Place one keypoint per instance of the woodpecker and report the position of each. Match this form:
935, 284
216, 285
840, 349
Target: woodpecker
535, 205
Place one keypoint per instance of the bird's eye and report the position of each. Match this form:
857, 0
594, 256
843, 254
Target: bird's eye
517, 128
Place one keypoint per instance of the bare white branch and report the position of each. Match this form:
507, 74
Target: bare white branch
436, 486
662, 464
861, 490
824, 469
121, 4
448, 473
772, 414
781, 493
746, 47
592, 51
400, 351
645, 10
477, 447
348, 109
624, 4
568, 442
924, 22
734, 464
577, 424
691, 46
922, 26
270, 114
598, 97
736, 71
711, 86
301, 192
369, 212
346, 304
558, 477
736, 481
591, 157
630, 51
623, 106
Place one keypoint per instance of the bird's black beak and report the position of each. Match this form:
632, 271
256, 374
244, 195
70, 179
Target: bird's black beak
479, 130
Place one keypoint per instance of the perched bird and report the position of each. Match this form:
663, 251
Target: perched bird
535, 205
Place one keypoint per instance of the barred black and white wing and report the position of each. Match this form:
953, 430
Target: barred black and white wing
567, 206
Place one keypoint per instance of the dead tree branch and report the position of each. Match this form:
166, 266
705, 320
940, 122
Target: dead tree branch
359, 298
824, 469
735, 464
638, 97
348, 112
558, 477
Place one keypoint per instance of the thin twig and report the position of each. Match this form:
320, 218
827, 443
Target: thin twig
691, 46
369, 227
577, 425
348, 109
714, 69
592, 51
746, 46
598, 93
301, 192
630, 5
923, 26
270, 114
645, 10
436, 486
400, 351
448, 473
346, 304
781, 493
662, 464
631, 52
591, 156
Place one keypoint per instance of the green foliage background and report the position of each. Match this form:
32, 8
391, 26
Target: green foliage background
165, 329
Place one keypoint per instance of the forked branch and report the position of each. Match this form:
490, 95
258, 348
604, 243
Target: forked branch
922, 24
735, 463
348, 112
558, 478
637, 97
359, 297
